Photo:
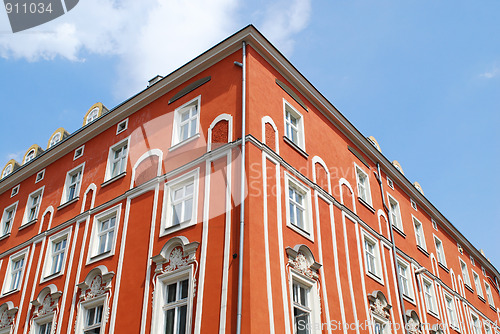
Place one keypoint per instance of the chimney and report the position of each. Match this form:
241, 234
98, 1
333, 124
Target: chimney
157, 78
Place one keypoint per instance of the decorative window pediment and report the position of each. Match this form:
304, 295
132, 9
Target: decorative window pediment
379, 305
7, 316
178, 252
413, 322
302, 260
46, 302
97, 283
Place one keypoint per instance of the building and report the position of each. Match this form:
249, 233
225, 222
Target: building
131, 224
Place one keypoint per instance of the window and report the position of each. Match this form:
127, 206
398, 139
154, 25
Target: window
93, 319
29, 156
487, 328
93, 114
476, 324
451, 311
472, 260
294, 125
413, 204
55, 139
434, 224
186, 122
430, 297
298, 207
15, 191
465, 273
404, 279
117, 160
395, 213
419, 233
477, 283
7, 170
301, 308
489, 295
73, 184
181, 202
363, 186
122, 126
440, 251
390, 183
460, 249
39, 176
173, 310
8, 219
372, 256
15, 271
78, 152
103, 240
484, 271
380, 325
56, 254
33, 206
44, 328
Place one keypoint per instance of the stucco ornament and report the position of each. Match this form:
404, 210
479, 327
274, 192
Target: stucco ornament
379, 305
5, 320
301, 265
176, 259
413, 326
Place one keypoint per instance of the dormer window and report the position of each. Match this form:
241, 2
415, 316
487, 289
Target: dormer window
93, 114
7, 170
55, 139
29, 156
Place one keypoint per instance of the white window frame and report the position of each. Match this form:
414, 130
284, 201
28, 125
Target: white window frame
92, 115
433, 307
56, 138
43, 320
162, 281
13, 208
359, 170
475, 321
307, 231
313, 299
376, 272
420, 228
111, 160
384, 326
78, 152
6, 288
49, 254
93, 255
465, 274
15, 191
39, 176
167, 211
440, 256
487, 327
68, 183
7, 170
176, 140
477, 283
29, 156
399, 222
413, 204
299, 127
390, 183
434, 224
85, 307
451, 314
408, 278
489, 294
122, 126
29, 206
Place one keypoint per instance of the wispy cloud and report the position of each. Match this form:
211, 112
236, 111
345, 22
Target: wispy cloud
148, 37
491, 74
16, 156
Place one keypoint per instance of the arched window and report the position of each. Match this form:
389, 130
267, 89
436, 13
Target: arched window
55, 139
7, 170
93, 114
30, 156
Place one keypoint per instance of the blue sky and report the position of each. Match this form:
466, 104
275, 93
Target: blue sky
423, 77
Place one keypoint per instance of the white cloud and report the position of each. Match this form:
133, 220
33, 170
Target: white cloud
491, 74
18, 156
148, 37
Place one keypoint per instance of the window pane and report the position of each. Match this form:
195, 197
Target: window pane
181, 320
188, 210
169, 321
171, 292
184, 289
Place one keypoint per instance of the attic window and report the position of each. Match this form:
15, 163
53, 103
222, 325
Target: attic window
39, 176
15, 191
413, 204
434, 224
78, 152
460, 249
93, 114
55, 139
30, 156
7, 170
390, 183
122, 126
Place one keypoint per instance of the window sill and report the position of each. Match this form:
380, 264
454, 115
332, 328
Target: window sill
455, 328
362, 201
113, 179
62, 206
5, 236
493, 307
296, 147
11, 292
300, 231
443, 266
100, 256
31, 222
409, 299
423, 250
433, 313
51, 276
395, 228
469, 287
174, 228
375, 277
481, 298
190, 139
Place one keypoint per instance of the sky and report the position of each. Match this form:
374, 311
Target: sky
421, 76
